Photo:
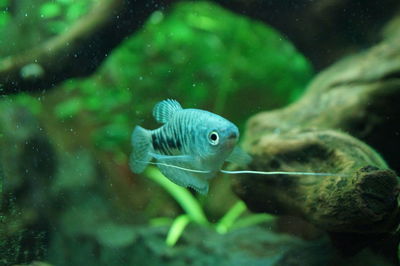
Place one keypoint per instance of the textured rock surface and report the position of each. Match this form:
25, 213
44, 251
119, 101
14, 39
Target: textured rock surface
358, 95
354, 96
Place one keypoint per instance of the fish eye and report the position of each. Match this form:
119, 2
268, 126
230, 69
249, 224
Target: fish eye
213, 138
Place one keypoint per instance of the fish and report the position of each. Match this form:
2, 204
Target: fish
189, 148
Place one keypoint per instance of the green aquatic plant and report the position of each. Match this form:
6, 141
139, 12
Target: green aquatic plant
177, 228
27, 23
181, 195
198, 53
194, 212
59, 15
204, 55
4, 14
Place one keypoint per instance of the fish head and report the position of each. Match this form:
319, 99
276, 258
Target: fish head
219, 136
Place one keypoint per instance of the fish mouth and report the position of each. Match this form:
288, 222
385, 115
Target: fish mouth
233, 135
232, 139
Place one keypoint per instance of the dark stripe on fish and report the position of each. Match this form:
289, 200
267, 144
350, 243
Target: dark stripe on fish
154, 140
182, 131
157, 142
162, 140
164, 144
174, 144
177, 141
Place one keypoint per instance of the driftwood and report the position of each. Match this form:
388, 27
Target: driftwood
358, 95
363, 200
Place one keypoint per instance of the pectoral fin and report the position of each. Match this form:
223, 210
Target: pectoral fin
173, 167
239, 157
174, 159
184, 178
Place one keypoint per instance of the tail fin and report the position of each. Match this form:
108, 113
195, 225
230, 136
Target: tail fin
140, 156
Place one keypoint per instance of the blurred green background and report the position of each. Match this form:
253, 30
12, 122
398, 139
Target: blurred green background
195, 52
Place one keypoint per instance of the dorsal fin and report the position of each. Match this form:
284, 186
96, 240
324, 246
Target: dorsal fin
164, 110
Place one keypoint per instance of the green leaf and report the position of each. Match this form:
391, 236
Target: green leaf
65, 2
230, 217
57, 27
112, 135
253, 219
177, 228
50, 10
186, 200
69, 108
4, 18
30, 102
76, 10
4, 3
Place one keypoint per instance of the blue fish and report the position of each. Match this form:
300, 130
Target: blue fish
189, 148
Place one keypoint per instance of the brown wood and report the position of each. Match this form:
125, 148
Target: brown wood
358, 95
